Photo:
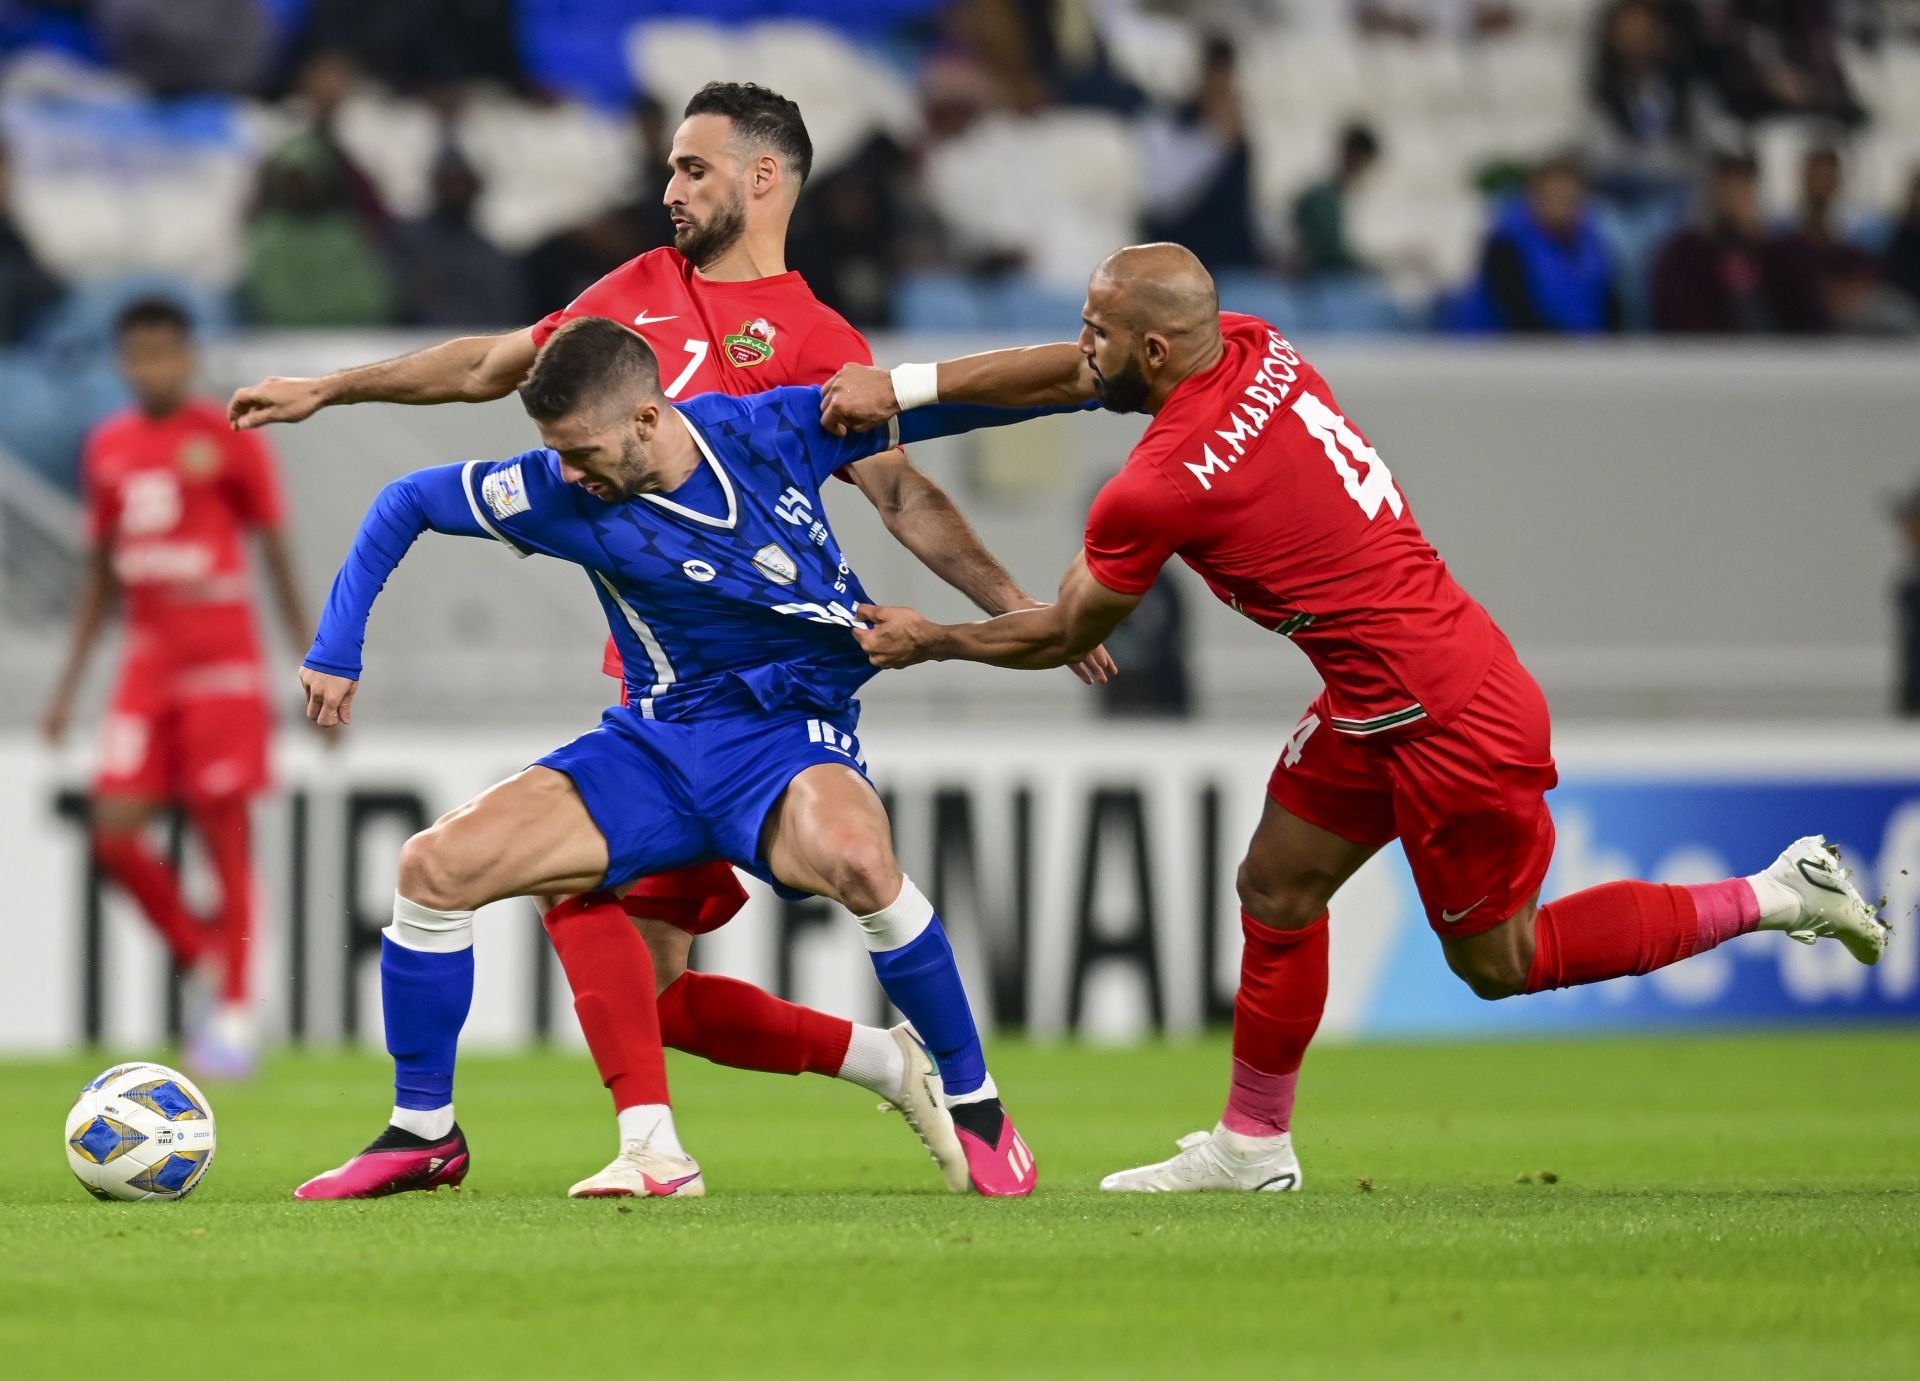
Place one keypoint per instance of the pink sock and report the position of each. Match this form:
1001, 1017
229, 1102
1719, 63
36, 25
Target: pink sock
1258, 1103
1722, 911
1283, 990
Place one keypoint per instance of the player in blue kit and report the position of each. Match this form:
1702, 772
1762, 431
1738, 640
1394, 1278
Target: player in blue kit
733, 609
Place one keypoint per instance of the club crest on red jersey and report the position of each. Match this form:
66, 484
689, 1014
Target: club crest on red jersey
198, 457
752, 344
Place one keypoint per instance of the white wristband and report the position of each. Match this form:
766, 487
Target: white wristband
916, 385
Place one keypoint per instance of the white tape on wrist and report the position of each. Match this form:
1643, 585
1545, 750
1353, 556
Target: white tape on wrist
916, 385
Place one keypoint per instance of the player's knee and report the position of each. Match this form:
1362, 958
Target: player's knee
863, 874
1491, 976
1288, 902
431, 873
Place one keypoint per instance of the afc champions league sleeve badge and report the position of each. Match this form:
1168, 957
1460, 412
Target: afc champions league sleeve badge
752, 344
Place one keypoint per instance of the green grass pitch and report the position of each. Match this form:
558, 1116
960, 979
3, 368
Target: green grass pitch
1718, 1207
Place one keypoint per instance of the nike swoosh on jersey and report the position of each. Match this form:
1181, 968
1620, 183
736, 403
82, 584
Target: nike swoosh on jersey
1449, 917
644, 320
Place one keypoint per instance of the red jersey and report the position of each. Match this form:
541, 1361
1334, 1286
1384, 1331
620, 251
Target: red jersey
170, 499
1252, 477
713, 337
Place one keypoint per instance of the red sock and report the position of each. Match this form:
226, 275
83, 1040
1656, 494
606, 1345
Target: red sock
1283, 991
734, 1023
611, 973
1620, 928
697, 899
225, 833
151, 881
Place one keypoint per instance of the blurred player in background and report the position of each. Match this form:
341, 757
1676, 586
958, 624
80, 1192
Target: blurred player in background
1428, 729
722, 314
171, 492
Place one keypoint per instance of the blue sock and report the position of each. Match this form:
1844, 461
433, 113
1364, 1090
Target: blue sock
424, 997
922, 980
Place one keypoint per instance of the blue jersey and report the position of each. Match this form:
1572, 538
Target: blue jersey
725, 593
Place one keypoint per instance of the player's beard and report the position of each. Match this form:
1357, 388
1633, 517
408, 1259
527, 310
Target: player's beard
702, 244
1125, 390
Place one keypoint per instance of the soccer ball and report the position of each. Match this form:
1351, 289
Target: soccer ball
140, 1131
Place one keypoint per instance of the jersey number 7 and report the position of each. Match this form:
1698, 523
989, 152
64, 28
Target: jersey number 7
1346, 450
696, 352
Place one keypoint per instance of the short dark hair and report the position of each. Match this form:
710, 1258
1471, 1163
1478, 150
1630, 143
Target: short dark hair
582, 363
1358, 140
152, 311
760, 116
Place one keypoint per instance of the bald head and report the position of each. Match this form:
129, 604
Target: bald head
1159, 287
1152, 319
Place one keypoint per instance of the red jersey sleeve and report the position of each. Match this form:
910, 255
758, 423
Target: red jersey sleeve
95, 494
828, 346
253, 482
603, 298
1132, 530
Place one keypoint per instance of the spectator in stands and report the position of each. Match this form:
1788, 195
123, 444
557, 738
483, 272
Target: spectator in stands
182, 46
449, 273
1903, 247
1642, 98
321, 87
847, 235
563, 266
310, 262
1320, 212
1825, 281
1155, 640
421, 45
26, 289
1717, 277
1199, 183
1780, 57
1545, 267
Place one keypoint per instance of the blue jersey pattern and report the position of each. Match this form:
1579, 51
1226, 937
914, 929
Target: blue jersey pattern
728, 593
731, 586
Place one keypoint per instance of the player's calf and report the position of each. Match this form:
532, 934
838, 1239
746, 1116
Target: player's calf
1622, 928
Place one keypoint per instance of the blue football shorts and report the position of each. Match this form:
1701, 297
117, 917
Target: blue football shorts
667, 794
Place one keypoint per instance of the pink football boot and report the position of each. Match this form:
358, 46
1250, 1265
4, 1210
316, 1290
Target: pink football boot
998, 1161
396, 1162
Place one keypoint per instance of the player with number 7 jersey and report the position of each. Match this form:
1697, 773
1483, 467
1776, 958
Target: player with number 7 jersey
1428, 730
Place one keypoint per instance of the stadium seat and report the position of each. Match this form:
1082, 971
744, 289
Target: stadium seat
845, 91
1536, 84
939, 300
1065, 190
545, 167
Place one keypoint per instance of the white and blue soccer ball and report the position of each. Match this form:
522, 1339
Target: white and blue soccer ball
140, 1131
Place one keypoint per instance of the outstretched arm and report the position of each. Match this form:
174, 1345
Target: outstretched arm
863, 396
96, 602
435, 499
1082, 618
925, 521
471, 369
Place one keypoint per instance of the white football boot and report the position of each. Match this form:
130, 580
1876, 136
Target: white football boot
640, 1172
920, 1100
1824, 900
1216, 1160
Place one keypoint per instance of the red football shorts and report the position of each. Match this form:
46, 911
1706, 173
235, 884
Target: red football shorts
698, 899
185, 734
1467, 801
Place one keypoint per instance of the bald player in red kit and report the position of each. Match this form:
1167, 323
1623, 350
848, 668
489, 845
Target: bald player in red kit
722, 314
172, 497
1428, 729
